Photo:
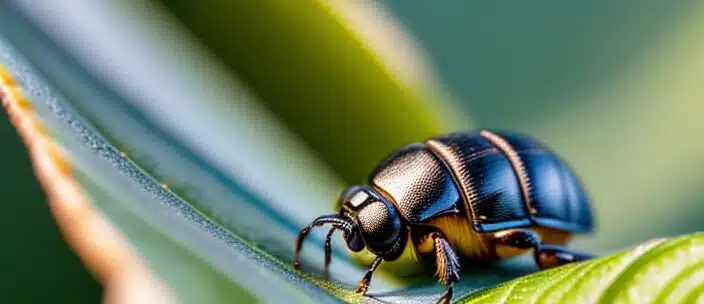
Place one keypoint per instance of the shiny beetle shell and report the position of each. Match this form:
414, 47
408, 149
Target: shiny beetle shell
483, 195
499, 180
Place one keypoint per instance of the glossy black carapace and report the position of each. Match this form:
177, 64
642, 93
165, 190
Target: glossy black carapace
483, 195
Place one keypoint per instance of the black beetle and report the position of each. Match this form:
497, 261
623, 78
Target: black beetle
482, 195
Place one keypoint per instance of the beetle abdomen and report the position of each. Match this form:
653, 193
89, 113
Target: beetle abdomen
487, 180
555, 191
512, 181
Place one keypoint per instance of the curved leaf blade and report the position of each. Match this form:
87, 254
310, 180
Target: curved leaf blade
648, 273
263, 215
174, 229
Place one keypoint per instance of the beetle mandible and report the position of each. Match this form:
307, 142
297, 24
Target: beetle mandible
483, 195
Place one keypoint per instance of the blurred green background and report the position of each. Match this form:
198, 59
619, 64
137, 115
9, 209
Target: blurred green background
614, 87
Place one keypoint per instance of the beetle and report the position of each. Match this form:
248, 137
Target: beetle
483, 195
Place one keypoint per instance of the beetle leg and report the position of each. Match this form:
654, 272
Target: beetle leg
364, 284
546, 256
448, 264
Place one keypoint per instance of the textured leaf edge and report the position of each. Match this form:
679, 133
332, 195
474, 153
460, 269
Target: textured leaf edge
106, 252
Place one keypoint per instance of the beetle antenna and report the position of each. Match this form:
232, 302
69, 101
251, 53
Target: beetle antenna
334, 219
328, 249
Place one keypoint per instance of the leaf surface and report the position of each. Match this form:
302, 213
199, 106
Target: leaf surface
659, 271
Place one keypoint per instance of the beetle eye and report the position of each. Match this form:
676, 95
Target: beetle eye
380, 225
354, 241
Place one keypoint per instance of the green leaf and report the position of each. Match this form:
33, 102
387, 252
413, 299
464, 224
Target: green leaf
199, 258
660, 271
213, 264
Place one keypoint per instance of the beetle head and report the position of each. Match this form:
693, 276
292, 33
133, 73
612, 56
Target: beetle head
367, 219
376, 219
